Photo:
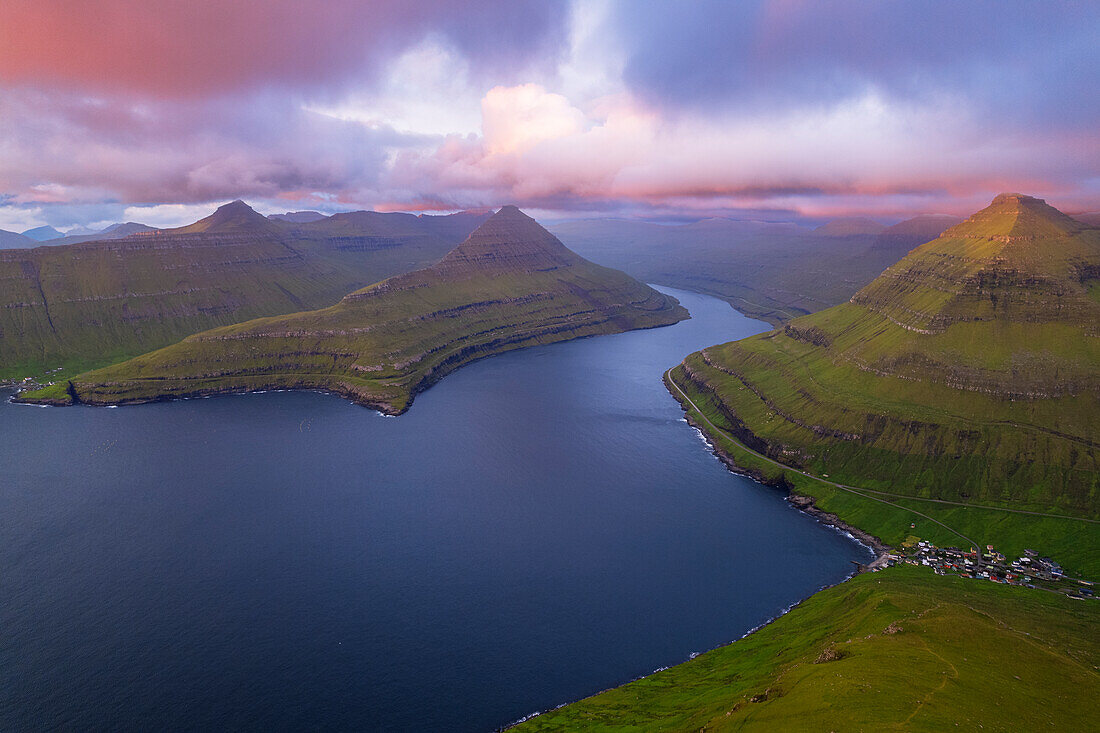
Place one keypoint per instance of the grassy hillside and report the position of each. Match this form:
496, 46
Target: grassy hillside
774, 272
510, 284
86, 305
969, 372
900, 649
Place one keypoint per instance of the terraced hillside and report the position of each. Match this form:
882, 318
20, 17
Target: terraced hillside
85, 305
510, 284
968, 372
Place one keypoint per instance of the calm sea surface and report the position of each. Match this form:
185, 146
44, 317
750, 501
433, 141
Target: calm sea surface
541, 525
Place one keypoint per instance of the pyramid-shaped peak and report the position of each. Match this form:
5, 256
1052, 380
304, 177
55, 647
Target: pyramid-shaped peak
1015, 215
237, 211
236, 216
510, 240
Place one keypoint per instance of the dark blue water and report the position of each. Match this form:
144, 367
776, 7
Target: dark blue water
540, 526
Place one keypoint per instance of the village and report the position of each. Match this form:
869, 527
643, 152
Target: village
1028, 570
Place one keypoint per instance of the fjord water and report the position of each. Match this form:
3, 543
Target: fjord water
540, 526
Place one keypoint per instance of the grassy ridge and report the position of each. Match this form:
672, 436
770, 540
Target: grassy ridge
898, 649
509, 285
1075, 543
86, 305
969, 372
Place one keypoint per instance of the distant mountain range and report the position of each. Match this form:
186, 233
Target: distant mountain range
966, 372
43, 234
12, 240
298, 217
509, 284
770, 271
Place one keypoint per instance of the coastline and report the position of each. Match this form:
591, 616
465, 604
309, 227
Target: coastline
801, 503
390, 408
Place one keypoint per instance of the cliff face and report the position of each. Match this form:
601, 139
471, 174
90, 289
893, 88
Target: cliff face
87, 304
968, 371
510, 284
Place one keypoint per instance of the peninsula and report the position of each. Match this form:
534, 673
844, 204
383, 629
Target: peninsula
510, 284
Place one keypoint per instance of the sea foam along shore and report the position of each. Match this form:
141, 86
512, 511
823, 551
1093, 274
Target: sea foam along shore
802, 503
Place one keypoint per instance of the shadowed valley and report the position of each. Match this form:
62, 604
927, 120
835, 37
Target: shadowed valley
771, 271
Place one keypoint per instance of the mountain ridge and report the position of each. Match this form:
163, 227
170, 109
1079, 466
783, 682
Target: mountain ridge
234, 217
966, 372
92, 303
509, 284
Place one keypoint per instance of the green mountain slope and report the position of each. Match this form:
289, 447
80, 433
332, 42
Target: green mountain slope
510, 284
86, 305
968, 372
901, 649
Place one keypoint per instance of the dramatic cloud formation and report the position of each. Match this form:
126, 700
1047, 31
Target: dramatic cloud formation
166, 48
815, 108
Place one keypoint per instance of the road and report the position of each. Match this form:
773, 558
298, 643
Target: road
843, 487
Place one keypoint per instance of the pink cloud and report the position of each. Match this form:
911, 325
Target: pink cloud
165, 48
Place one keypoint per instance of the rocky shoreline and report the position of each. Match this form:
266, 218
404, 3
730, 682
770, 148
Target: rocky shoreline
802, 503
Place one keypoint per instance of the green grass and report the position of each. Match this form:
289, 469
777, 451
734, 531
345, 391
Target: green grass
1074, 543
85, 306
914, 651
968, 373
381, 345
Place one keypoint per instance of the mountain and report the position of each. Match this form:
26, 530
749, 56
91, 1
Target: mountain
968, 372
771, 271
11, 240
1091, 218
232, 218
510, 284
114, 231
298, 217
850, 227
124, 229
43, 234
94, 303
903, 236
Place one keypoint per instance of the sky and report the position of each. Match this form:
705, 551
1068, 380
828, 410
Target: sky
157, 110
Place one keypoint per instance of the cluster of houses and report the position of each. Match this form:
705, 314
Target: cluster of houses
1028, 570
29, 382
